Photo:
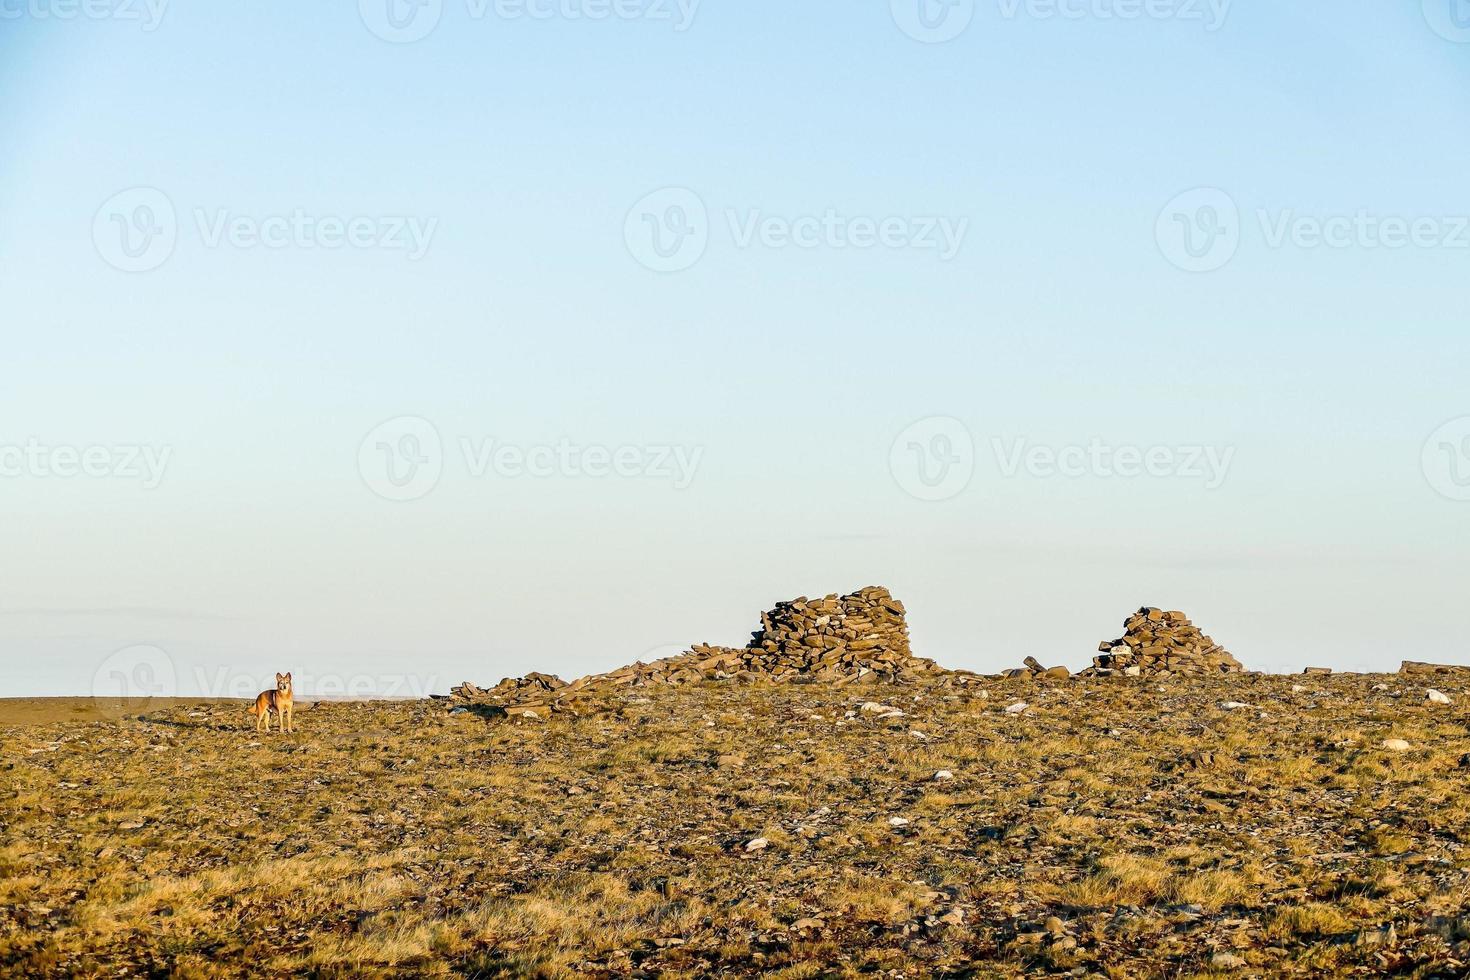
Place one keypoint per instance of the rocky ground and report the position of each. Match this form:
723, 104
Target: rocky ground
1113, 827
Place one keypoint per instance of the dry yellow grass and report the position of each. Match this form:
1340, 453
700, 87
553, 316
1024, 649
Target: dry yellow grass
1119, 829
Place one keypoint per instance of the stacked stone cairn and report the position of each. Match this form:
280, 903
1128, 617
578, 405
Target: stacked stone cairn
860, 638
1161, 644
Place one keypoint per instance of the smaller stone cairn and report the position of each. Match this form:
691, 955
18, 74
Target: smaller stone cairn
1161, 644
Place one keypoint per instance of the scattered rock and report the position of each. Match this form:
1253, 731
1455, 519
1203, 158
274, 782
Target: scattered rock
1413, 667
1018, 708
757, 844
1227, 961
943, 775
1438, 697
1395, 745
1380, 936
1034, 668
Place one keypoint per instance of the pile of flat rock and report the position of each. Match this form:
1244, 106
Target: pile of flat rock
859, 638
1161, 644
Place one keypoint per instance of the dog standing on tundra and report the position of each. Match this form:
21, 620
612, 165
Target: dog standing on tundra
278, 701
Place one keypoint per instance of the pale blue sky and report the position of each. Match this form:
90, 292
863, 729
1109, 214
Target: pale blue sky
525, 145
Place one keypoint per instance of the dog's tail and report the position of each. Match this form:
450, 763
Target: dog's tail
254, 709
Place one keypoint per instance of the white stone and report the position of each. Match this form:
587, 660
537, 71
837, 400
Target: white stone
1017, 708
1438, 697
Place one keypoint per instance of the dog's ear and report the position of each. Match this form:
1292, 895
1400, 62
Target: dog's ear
288, 675
279, 678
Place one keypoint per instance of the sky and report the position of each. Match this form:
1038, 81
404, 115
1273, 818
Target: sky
397, 344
